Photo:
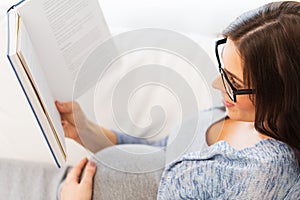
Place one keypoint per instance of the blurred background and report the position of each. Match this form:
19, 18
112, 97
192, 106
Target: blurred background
202, 21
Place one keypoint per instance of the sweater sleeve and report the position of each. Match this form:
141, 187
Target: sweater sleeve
127, 139
187, 179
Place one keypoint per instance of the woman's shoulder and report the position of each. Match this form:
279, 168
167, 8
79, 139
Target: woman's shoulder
221, 169
268, 155
266, 150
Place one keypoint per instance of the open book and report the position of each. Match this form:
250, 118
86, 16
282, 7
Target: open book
48, 41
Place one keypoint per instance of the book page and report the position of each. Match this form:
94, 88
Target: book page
28, 57
13, 19
64, 34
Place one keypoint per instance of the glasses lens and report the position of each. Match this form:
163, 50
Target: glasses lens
220, 49
227, 86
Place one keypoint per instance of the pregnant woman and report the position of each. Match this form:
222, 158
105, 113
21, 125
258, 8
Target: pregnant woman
253, 150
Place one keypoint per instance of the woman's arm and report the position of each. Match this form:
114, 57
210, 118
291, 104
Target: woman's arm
77, 127
92, 136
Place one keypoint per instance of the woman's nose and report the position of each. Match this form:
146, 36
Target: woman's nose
218, 84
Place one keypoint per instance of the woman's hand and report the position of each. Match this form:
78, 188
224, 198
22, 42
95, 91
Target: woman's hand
73, 120
79, 128
74, 188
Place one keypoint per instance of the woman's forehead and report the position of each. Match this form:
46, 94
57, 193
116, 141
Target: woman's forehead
232, 60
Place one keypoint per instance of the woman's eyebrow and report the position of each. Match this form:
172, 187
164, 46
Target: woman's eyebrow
234, 76
231, 74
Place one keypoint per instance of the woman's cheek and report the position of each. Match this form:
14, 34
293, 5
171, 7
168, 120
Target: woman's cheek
244, 109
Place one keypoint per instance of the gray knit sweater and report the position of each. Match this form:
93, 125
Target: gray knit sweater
266, 171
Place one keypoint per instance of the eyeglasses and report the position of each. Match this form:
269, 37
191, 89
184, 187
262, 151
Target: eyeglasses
230, 89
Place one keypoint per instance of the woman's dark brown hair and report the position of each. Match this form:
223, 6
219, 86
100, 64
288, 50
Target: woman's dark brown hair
268, 40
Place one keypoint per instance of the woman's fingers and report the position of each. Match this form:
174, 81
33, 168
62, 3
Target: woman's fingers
79, 189
66, 107
88, 174
69, 130
64, 123
75, 173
